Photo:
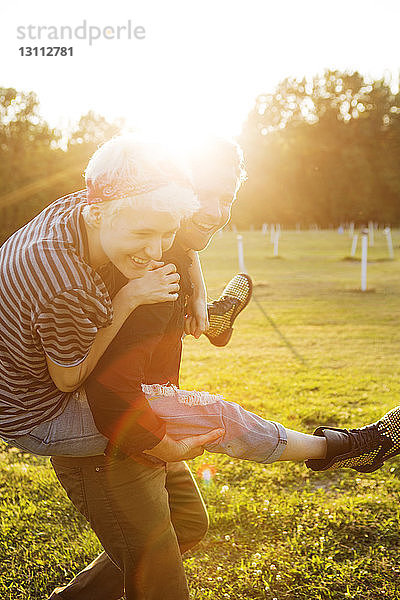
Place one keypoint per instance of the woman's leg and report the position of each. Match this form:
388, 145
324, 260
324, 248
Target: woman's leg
301, 446
72, 433
247, 435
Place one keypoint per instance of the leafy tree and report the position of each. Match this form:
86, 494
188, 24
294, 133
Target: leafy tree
322, 151
93, 130
34, 169
25, 138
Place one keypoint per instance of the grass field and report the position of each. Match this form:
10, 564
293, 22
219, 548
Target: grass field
311, 350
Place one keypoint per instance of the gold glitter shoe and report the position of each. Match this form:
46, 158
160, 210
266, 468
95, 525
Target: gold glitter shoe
364, 449
223, 312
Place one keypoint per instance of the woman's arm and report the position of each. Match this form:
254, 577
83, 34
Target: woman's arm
197, 319
159, 285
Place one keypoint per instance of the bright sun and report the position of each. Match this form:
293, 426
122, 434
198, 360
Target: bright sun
181, 130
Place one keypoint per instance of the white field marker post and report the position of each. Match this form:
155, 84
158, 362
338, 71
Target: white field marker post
242, 267
354, 245
388, 233
264, 229
371, 233
351, 230
276, 242
364, 256
272, 231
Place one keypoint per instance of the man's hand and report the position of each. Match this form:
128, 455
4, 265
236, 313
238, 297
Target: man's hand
196, 321
170, 450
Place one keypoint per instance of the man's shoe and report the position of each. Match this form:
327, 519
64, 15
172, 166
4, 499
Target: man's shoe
223, 312
364, 449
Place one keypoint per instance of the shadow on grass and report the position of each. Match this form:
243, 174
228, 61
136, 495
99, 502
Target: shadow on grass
370, 261
358, 291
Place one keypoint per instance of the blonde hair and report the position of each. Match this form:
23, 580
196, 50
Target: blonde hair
130, 162
172, 199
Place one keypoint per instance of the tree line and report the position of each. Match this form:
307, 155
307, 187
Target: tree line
36, 165
323, 151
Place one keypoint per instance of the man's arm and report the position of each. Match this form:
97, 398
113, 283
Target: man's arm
158, 285
197, 319
119, 407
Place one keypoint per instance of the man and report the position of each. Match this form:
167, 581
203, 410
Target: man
147, 512
216, 189
144, 510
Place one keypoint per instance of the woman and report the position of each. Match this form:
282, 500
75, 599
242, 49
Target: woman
57, 275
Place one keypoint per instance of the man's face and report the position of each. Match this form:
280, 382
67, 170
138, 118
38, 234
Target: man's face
136, 237
215, 187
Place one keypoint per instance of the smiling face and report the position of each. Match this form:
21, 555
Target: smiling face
137, 234
215, 187
137, 238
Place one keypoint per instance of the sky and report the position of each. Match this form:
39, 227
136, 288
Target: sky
200, 65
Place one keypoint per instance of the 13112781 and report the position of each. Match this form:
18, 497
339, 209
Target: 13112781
46, 51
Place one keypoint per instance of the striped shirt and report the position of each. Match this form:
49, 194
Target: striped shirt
51, 302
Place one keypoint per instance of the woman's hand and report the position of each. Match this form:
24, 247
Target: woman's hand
196, 321
160, 284
170, 450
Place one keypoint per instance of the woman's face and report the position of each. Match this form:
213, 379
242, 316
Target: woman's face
136, 237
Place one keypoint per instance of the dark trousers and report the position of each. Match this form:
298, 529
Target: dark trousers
144, 516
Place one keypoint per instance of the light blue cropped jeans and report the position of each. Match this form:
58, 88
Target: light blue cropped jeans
246, 435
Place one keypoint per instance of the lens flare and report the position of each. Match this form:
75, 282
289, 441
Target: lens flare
207, 472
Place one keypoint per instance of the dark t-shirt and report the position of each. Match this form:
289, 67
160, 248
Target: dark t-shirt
147, 349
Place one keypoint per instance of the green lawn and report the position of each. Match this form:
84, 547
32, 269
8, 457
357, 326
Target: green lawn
312, 349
